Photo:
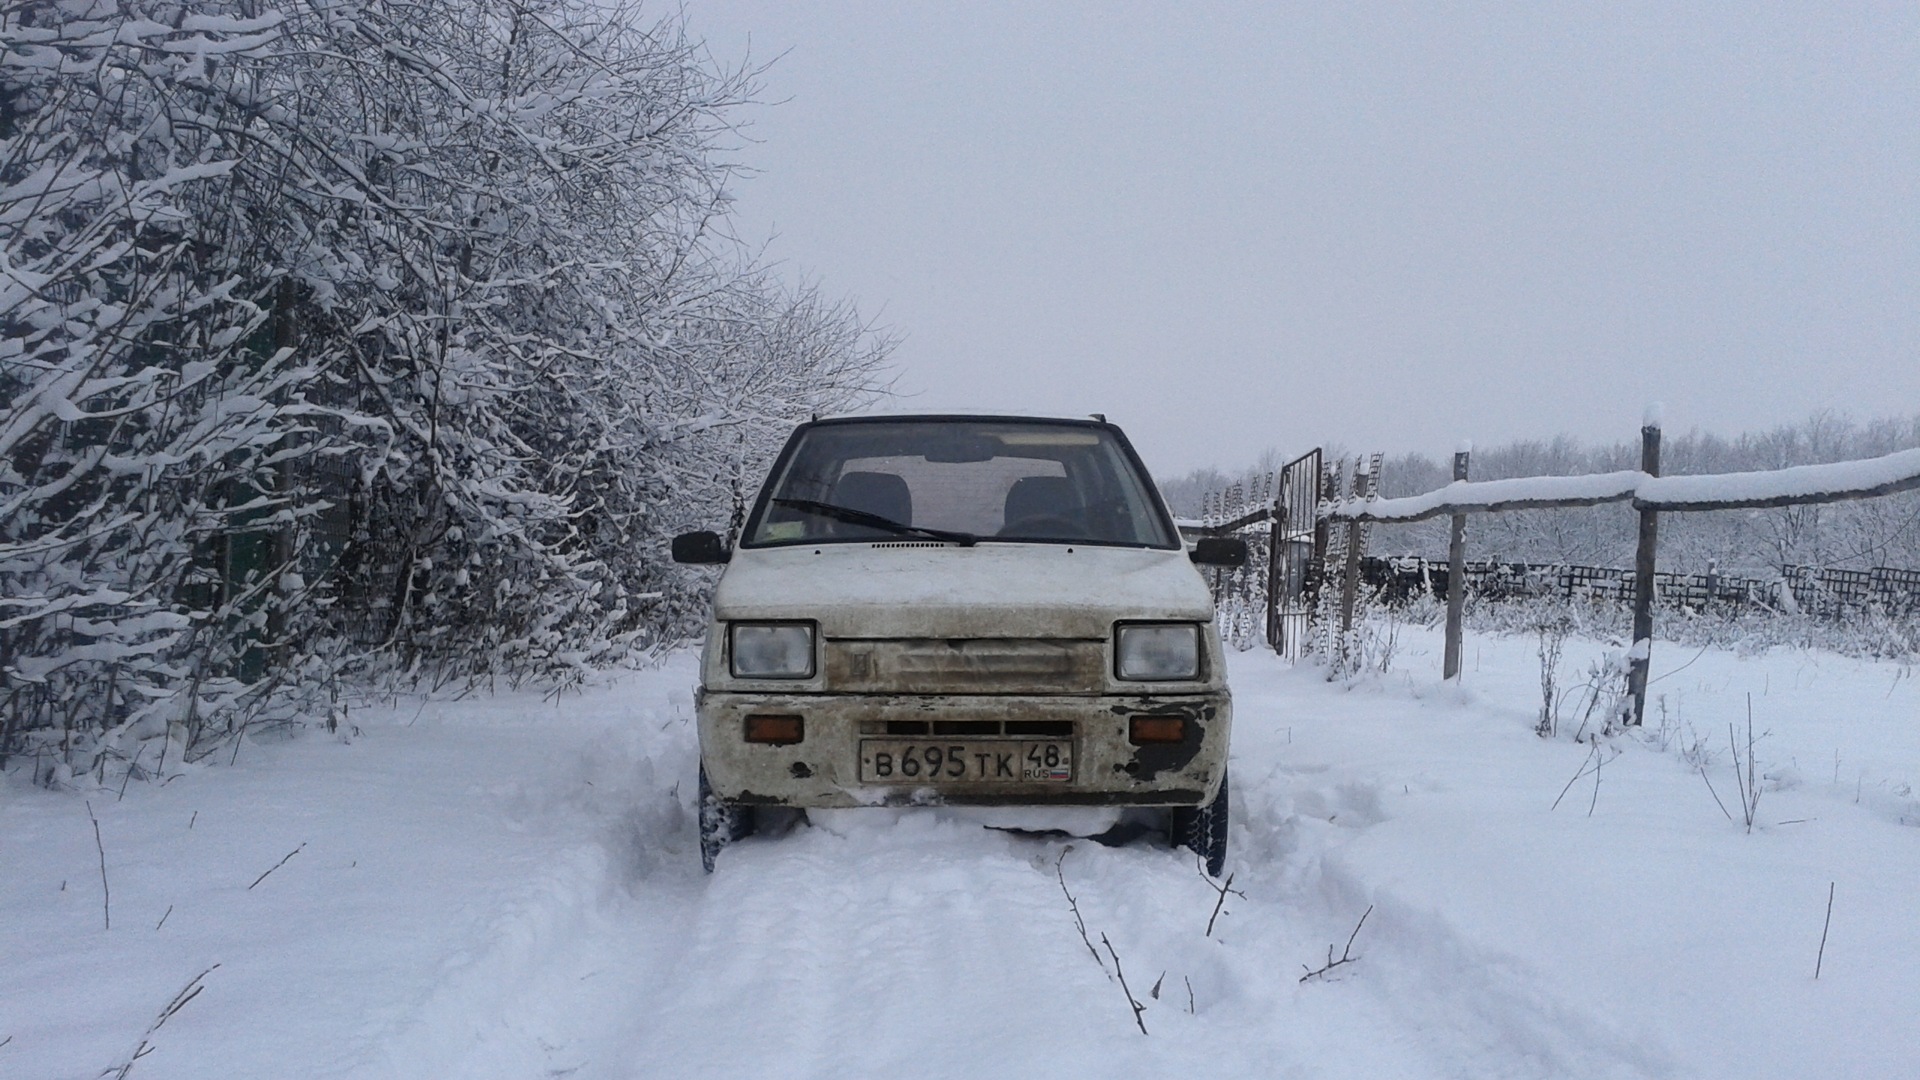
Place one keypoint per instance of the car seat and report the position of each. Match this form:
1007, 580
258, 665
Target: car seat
1043, 498
881, 494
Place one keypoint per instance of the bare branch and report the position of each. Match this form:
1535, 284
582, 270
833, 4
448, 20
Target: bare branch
278, 865
1715, 794
1221, 887
1595, 801
1132, 1002
1346, 954
1822, 957
1591, 751
187, 993
106, 894
1079, 923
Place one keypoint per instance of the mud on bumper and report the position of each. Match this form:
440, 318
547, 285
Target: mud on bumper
823, 769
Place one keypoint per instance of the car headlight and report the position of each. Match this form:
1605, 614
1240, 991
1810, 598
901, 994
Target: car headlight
1158, 651
771, 650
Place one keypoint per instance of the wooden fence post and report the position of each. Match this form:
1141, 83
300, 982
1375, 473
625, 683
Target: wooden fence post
1456, 572
1641, 657
1276, 529
1350, 576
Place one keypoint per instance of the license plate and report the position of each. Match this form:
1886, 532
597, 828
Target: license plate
975, 761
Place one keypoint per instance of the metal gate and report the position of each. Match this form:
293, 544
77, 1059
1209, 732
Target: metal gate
1297, 555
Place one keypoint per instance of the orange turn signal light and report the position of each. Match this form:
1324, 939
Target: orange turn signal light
1157, 729
777, 730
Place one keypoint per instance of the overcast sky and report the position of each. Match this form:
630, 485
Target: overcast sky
1236, 226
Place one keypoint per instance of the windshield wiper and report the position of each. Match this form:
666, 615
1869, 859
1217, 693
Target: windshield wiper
874, 521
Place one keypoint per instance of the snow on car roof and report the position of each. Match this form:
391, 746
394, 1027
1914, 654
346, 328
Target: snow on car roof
964, 414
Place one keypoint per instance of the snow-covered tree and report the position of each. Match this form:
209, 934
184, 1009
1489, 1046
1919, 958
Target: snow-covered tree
148, 412
358, 332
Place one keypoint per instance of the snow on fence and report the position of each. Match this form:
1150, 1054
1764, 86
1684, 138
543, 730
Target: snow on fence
1798, 486
1650, 494
1281, 580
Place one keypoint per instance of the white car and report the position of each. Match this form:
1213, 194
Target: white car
979, 610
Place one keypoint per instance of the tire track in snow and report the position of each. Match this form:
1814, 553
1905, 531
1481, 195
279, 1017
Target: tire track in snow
1469, 1009
934, 948
919, 949
888, 943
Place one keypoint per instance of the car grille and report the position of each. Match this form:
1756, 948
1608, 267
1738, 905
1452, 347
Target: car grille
966, 666
1028, 729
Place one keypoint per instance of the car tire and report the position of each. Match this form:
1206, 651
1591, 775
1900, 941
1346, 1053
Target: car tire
1203, 829
721, 822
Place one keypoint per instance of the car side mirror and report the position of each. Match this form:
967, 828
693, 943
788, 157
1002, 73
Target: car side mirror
701, 548
1219, 551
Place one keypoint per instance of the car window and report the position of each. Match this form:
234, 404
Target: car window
986, 480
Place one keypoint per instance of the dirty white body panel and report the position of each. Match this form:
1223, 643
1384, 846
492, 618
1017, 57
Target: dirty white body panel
972, 649
913, 588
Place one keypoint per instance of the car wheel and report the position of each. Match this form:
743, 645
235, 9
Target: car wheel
721, 822
1203, 829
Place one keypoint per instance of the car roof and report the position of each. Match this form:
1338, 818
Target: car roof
1093, 420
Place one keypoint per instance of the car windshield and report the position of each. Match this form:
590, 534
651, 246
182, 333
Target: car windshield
961, 481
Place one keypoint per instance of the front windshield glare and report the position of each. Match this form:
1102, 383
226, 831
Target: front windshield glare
959, 481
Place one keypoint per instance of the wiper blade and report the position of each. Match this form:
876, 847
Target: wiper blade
874, 521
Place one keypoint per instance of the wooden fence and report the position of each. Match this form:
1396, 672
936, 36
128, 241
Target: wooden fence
1650, 493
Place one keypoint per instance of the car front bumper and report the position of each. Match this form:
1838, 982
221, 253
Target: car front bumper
823, 769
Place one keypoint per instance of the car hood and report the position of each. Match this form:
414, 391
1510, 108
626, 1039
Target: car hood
910, 589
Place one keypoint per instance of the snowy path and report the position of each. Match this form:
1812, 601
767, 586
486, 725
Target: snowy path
922, 947
507, 888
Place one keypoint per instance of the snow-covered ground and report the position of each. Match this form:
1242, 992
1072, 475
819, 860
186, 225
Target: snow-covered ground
509, 887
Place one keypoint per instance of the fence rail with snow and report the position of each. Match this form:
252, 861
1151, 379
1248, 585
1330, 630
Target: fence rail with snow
1343, 511
1648, 491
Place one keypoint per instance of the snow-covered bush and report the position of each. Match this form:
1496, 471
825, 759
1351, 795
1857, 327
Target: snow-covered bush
149, 416
349, 334
512, 262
